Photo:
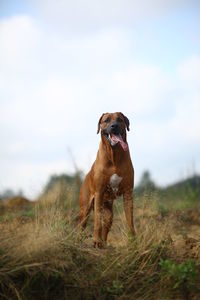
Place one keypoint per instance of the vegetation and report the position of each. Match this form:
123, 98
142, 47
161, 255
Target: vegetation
73, 181
183, 274
43, 256
8, 193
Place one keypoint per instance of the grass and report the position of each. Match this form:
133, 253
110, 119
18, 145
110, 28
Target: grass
184, 275
43, 257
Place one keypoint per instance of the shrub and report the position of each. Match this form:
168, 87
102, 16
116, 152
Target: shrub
180, 274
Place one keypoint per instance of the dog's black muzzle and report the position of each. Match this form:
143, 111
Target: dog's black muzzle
114, 128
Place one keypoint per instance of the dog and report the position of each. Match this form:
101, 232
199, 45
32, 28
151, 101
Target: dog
111, 175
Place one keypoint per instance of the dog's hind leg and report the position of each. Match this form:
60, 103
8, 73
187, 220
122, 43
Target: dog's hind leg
128, 208
107, 218
85, 202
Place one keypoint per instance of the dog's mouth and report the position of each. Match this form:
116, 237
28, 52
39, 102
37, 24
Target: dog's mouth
114, 139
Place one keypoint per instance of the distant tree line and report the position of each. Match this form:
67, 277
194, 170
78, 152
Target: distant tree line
185, 188
146, 184
74, 180
9, 193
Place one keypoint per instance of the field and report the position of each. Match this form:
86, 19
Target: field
42, 256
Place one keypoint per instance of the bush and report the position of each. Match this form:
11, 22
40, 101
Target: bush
183, 274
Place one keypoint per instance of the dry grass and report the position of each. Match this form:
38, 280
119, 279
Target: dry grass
44, 258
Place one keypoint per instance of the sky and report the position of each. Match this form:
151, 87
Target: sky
64, 63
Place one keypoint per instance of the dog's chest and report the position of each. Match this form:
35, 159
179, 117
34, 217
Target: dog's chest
114, 182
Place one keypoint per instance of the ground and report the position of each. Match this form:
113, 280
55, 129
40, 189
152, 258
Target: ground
42, 255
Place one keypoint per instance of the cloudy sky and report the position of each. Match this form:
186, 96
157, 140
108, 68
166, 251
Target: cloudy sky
63, 63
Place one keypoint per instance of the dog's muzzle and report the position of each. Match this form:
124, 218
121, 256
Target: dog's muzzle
114, 135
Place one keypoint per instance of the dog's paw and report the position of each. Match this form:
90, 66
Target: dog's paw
98, 244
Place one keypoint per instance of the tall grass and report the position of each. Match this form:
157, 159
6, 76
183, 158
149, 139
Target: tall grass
45, 258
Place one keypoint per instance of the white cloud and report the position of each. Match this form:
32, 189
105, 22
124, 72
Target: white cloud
187, 104
143, 87
18, 37
189, 72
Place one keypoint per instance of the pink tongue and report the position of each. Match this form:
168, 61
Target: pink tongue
118, 138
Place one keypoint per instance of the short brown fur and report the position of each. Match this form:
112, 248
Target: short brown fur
96, 189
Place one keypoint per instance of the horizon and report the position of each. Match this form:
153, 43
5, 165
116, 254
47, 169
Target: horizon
9, 192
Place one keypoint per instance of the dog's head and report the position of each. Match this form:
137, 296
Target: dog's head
113, 128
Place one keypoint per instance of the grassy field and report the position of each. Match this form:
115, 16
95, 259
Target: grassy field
42, 255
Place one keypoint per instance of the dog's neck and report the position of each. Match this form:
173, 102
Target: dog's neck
114, 155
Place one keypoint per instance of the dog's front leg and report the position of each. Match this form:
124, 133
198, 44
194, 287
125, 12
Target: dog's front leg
128, 208
98, 207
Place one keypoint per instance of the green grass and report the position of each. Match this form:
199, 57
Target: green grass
181, 275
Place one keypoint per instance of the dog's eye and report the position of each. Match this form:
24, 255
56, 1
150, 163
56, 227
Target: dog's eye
119, 120
107, 120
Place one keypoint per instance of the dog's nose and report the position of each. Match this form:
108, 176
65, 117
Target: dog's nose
114, 127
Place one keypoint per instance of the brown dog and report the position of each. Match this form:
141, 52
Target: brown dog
111, 175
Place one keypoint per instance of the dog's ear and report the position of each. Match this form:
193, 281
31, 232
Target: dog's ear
126, 120
99, 123
127, 123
